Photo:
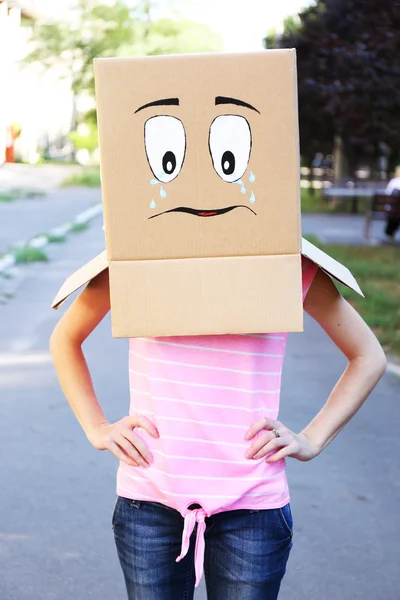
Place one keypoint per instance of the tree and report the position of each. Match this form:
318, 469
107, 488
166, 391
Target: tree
97, 30
167, 36
101, 29
113, 29
349, 76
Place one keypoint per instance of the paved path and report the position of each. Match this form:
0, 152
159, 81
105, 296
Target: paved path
342, 229
23, 219
57, 492
34, 177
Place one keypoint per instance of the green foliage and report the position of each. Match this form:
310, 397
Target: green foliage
88, 177
271, 42
88, 141
167, 36
291, 25
6, 197
90, 117
310, 201
27, 254
98, 30
349, 77
103, 30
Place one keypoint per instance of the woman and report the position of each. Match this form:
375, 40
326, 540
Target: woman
202, 455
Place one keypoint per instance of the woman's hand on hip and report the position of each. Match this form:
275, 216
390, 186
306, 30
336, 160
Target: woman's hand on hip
286, 443
121, 440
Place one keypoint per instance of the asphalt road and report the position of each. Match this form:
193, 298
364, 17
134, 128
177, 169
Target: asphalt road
57, 493
23, 219
343, 229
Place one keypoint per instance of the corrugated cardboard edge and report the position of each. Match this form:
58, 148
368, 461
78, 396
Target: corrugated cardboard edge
98, 264
331, 266
81, 277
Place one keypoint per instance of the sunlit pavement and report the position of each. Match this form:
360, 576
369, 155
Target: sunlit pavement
34, 177
57, 493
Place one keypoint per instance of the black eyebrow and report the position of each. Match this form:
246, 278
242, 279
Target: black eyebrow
225, 100
163, 102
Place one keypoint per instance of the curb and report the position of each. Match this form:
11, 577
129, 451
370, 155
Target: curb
9, 261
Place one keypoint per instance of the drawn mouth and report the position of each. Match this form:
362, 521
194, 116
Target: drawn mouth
203, 213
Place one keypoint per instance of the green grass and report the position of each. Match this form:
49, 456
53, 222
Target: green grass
6, 197
78, 227
89, 177
27, 254
312, 202
56, 239
377, 270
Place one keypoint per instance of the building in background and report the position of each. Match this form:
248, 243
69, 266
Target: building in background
36, 106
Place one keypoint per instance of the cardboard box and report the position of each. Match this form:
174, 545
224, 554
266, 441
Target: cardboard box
200, 181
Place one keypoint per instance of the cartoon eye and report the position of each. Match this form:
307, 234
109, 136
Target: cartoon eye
165, 143
230, 146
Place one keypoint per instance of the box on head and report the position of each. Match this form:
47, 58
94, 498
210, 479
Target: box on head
201, 195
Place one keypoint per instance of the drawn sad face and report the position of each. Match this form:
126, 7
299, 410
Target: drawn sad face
199, 136
229, 145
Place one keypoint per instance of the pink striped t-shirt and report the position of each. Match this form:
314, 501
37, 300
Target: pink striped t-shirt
202, 393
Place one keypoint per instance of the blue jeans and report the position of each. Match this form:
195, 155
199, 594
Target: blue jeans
245, 554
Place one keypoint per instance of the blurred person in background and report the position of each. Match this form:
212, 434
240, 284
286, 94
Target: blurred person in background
393, 189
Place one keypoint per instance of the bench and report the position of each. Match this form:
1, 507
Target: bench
383, 207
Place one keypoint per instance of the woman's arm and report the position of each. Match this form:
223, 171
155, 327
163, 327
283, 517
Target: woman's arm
74, 327
367, 361
367, 364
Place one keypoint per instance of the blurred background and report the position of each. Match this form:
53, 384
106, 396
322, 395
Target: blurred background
56, 491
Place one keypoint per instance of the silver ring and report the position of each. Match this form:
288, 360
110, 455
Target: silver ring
276, 433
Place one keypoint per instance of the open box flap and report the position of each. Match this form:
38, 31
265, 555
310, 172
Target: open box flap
331, 266
81, 277
98, 264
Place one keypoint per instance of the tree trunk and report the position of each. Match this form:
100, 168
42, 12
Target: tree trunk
340, 166
311, 179
74, 120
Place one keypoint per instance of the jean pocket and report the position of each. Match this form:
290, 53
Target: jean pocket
286, 519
